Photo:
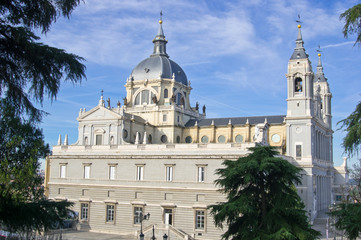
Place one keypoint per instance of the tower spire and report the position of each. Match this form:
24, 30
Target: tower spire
299, 51
320, 76
160, 41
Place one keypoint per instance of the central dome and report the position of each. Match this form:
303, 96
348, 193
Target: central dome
158, 65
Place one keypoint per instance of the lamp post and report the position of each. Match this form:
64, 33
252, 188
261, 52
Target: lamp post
141, 218
153, 237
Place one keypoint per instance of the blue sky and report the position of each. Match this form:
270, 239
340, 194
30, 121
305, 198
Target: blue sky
235, 54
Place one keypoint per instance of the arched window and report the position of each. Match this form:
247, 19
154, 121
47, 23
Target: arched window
137, 100
321, 103
144, 97
165, 93
298, 84
179, 99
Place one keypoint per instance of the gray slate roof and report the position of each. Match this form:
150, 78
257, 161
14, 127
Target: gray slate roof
299, 54
278, 119
155, 66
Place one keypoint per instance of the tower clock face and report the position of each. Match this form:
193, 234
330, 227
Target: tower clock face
276, 138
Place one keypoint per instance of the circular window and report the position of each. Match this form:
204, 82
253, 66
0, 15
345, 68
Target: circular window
163, 138
221, 139
276, 138
204, 139
189, 139
125, 133
239, 138
178, 139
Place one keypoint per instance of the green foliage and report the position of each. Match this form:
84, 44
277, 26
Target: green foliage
262, 202
348, 218
348, 213
22, 204
352, 125
29, 69
352, 18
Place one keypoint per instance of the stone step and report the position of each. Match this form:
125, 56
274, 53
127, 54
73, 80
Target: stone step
320, 221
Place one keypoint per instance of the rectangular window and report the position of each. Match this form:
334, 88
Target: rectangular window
98, 139
110, 213
338, 198
86, 171
140, 170
111, 172
138, 214
84, 209
62, 171
200, 219
164, 118
169, 173
298, 151
201, 174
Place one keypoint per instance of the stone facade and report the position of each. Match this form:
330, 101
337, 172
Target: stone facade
156, 154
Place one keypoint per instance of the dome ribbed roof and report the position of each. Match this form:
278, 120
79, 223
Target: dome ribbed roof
155, 67
158, 65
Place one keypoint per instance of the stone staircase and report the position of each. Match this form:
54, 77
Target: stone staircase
159, 230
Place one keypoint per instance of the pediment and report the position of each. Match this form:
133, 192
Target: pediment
99, 113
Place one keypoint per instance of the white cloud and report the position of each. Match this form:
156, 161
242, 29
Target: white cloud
338, 44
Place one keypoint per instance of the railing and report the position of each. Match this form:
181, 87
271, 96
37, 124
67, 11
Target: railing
161, 229
181, 233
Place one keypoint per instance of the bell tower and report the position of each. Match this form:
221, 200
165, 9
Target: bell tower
299, 82
308, 126
300, 110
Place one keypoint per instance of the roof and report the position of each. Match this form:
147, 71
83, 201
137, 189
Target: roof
278, 119
158, 66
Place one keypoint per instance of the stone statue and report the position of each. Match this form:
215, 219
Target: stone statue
204, 109
108, 101
125, 101
173, 98
182, 101
118, 104
155, 100
197, 106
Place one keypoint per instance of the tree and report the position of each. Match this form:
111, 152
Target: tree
348, 219
262, 201
23, 207
352, 18
355, 188
29, 69
347, 214
352, 125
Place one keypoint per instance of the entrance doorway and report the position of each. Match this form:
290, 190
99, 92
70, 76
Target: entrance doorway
168, 216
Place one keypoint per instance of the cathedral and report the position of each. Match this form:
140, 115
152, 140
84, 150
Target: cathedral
149, 163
